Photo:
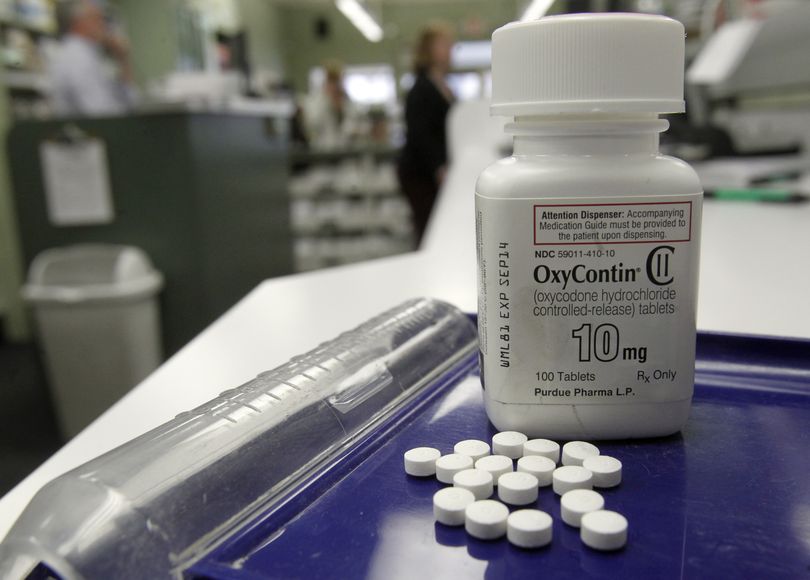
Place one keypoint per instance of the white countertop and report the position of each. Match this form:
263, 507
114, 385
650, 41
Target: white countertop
754, 279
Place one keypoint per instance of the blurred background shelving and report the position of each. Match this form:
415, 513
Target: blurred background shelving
346, 207
28, 34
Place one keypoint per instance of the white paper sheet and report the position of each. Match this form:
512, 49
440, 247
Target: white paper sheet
77, 183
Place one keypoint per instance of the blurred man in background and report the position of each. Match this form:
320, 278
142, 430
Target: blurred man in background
90, 72
423, 163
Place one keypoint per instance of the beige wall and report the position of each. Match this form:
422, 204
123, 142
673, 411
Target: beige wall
282, 39
402, 21
261, 19
151, 26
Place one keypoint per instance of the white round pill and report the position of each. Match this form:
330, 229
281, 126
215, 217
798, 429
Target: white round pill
604, 530
542, 447
575, 452
421, 461
472, 448
539, 466
607, 470
448, 465
576, 503
571, 477
508, 443
497, 465
486, 519
478, 481
449, 505
517, 488
529, 528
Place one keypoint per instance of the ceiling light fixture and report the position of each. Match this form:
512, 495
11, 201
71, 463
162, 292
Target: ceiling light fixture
361, 18
536, 9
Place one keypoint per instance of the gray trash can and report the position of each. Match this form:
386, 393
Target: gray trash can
98, 324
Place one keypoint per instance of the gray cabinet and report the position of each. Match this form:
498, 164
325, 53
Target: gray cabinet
204, 194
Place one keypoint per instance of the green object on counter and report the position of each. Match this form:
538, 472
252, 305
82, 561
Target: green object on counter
754, 194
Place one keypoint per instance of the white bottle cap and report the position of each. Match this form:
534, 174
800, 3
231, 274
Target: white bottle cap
588, 63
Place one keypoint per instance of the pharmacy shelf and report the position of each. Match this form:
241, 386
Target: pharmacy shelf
352, 195
29, 81
314, 156
329, 231
27, 89
13, 22
346, 207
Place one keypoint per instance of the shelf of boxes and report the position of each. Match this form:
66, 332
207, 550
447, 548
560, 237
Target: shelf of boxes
346, 207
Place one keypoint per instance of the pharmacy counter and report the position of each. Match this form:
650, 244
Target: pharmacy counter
752, 281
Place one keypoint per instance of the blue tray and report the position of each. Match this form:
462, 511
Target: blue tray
727, 498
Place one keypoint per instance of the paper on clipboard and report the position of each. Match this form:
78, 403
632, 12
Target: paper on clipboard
77, 182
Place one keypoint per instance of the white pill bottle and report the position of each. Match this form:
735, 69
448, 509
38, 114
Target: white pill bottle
588, 238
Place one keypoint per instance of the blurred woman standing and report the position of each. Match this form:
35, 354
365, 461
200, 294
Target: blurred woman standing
423, 163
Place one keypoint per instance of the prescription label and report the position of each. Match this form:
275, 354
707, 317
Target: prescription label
585, 302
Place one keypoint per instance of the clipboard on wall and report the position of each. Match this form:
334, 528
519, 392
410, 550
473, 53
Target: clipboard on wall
76, 177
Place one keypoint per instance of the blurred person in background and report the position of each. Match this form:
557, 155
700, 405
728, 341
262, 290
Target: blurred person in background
90, 71
423, 163
330, 118
224, 51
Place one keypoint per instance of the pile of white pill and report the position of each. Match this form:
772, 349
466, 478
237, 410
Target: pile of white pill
475, 473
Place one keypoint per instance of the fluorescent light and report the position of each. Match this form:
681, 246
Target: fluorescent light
360, 17
536, 9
